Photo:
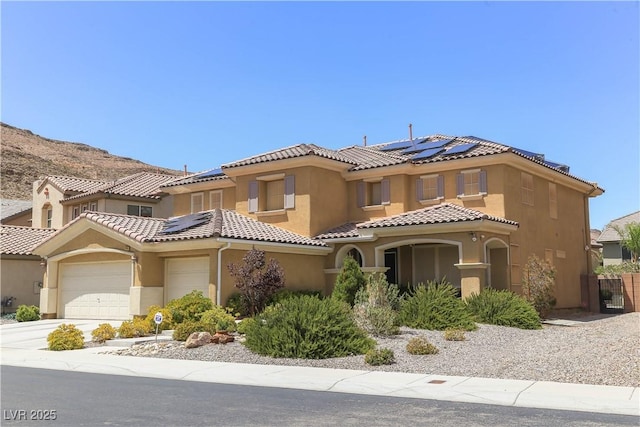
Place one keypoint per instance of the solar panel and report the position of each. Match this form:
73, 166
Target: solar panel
210, 173
185, 222
416, 149
459, 149
396, 146
436, 144
560, 166
536, 156
426, 154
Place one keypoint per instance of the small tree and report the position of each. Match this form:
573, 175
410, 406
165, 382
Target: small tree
350, 280
630, 238
538, 281
257, 279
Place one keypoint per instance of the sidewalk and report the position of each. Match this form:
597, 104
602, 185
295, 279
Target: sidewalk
25, 350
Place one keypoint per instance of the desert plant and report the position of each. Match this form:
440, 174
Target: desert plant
188, 307
349, 281
435, 306
257, 279
282, 294
244, 324
376, 306
65, 337
538, 282
167, 318
454, 335
134, 328
420, 346
379, 356
615, 270
503, 308
218, 318
103, 332
307, 327
630, 239
27, 313
186, 328
237, 305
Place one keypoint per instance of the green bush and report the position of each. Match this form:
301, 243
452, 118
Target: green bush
103, 332
237, 304
218, 318
420, 346
538, 283
134, 328
244, 324
504, 308
27, 313
375, 306
186, 328
379, 356
167, 319
188, 307
435, 306
454, 335
350, 280
65, 337
283, 294
307, 327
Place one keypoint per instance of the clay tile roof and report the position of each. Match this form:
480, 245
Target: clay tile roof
289, 153
9, 208
350, 229
15, 240
142, 184
73, 184
440, 214
609, 234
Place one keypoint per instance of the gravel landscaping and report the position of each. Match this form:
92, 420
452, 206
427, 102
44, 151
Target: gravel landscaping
602, 350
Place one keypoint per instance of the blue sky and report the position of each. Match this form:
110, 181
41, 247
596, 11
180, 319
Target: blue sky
205, 83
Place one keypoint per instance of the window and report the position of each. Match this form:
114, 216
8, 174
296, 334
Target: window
137, 210
526, 183
197, 202
430, 188
76, 212
93, 207
374, 193
271, 193
215, 199
553, 201
49, 216
85, 208
472, 183
356, 255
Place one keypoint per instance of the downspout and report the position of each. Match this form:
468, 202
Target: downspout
587, 233
219, 284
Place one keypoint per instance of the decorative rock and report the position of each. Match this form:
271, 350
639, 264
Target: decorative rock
198, 339
223, 337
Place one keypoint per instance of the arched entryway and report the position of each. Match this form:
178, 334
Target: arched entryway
497, 256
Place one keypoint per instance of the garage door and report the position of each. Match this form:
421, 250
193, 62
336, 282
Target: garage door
95, 290
185, 275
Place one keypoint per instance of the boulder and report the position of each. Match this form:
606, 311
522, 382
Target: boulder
198, 339
223, 337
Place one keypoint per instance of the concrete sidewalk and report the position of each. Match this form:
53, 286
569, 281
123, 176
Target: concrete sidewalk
27, 352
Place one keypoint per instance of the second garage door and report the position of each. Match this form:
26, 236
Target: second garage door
95, 290
185, 275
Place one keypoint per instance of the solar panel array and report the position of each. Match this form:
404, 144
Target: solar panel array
208, 174
397, 146
185, 222
459, 149
425, 154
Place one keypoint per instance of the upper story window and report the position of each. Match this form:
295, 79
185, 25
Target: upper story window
526, 183
93, 206
430, 188
472, 184
47, 216
215, 199
137, 210
75, 212
553, 201
197, 202
373, 192
272, 193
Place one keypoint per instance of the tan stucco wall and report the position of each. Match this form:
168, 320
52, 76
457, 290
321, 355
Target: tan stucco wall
17, 278
182, 202
40, 200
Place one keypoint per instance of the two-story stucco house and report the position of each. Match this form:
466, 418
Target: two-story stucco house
461, 208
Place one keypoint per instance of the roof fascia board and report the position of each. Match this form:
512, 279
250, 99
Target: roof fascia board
111, 196
276, 247
273, 166
216, 184
463, 226
354, 239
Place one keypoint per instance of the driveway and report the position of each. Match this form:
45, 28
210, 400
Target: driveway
33, 335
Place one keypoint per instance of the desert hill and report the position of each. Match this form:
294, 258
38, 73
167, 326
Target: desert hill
26, 157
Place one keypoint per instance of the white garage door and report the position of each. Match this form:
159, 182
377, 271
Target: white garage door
95, 290
185, 275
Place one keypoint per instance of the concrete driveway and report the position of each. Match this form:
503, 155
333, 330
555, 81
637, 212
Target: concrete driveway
33, 335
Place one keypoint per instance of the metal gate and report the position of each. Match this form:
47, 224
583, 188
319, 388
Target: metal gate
611, 295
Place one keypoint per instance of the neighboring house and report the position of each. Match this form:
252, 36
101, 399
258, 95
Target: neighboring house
15, 212
596, 248
58, 200
613, 253
20, 270
464, 209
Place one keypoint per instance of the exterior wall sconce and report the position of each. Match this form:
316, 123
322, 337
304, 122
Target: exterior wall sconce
474, 238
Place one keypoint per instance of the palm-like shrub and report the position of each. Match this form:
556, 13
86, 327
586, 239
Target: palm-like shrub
435, 306
504, 308
307, 327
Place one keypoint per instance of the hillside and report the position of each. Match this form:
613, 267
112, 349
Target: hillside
27, 156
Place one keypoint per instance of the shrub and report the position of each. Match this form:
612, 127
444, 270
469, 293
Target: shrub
188, 307
167, 319
376, 306
606, 294
435, 306
186, 328
66, 337
420, 345
350, 280
283, 294
244, 324
504, 308
27, 313
134, 328
237, 305
454, 335
381, 356
257, 279
218, 318
307, 327
103, 332
538, 281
